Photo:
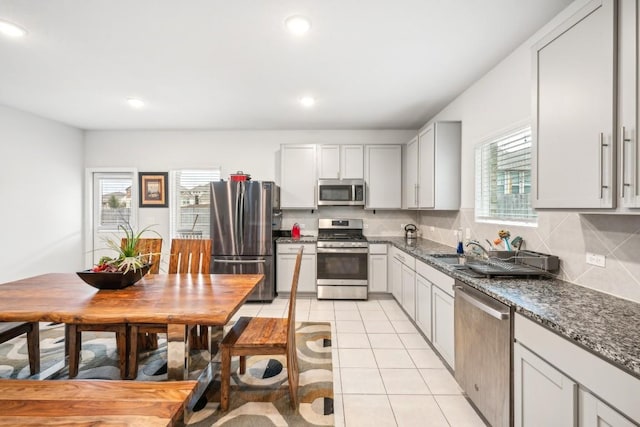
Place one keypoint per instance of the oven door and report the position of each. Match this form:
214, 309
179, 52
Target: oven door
339, 266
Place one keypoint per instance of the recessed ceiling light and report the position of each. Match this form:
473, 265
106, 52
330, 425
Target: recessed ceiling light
298, 25
11, 30
135, 103
307, 101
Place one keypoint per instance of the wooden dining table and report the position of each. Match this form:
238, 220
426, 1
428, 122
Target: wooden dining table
177, 300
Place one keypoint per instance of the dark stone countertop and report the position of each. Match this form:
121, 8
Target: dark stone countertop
606, 325
302, 239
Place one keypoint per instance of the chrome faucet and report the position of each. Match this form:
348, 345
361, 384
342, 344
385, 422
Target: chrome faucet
476, 243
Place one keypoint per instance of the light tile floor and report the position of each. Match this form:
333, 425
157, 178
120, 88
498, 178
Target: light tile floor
384, 371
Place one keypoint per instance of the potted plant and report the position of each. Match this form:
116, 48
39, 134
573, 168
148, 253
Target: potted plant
128, 257
124, 269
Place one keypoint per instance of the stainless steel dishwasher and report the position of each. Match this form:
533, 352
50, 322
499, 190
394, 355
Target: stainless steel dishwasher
483, 345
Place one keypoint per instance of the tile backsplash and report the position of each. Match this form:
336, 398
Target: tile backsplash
565, 234
380, 223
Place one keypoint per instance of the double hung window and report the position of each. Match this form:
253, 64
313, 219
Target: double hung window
503, 179
190, 202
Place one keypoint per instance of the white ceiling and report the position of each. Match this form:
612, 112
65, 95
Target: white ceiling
213, 64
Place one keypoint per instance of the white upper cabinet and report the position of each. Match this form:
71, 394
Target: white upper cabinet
328, 161
575, 112
298, 180
411, 174
340, 161
433, 168
628, 100
383, 176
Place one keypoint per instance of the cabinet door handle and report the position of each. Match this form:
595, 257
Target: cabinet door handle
624, 160
602, 146
634, 159
415, 195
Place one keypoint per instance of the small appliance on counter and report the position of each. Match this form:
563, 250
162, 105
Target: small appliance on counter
410, 233
239, 176
295, 231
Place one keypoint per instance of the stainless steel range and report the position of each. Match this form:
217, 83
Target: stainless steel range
342, 260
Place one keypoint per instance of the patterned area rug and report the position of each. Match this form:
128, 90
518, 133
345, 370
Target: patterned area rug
259, 398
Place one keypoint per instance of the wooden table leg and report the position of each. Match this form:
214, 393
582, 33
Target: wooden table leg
177, 352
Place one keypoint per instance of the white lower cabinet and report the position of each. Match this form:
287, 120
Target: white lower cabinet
442, 323
409, 290
377, 267
595, 413
557, 383
403, 280
426, 295
395, 279
435, 308
543, 396
286, 261
423, 305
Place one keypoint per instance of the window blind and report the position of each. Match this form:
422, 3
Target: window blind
113, 205
190, 202
503, 179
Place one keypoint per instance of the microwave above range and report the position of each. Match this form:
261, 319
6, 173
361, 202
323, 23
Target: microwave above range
341, 192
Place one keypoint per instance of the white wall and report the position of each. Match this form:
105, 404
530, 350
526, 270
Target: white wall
41, 163
499, 101
253, 152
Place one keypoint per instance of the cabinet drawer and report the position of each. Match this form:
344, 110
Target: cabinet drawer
377, 248
292, 248
436, 277
405, 259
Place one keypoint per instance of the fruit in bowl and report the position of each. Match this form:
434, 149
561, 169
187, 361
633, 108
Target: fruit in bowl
113, 280
126, 268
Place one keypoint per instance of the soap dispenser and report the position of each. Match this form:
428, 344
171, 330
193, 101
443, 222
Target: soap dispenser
460, 247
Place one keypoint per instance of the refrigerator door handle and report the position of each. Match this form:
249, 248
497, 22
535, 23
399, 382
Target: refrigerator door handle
241, 191
238, 216
237, 261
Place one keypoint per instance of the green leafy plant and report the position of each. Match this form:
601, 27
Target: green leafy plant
128, 257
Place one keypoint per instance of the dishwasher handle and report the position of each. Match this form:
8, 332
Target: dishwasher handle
499, 312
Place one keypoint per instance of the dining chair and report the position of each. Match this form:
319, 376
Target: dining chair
150, 249
263, 336
11, 330
187, 256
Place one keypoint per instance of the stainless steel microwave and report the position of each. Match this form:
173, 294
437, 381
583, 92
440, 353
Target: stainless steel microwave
341, 192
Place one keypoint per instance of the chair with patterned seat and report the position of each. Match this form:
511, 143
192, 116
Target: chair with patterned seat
263, 336
11, 330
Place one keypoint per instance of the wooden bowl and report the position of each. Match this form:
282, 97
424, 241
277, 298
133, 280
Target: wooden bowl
115, 280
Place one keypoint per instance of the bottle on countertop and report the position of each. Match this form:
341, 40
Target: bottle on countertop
460, 247
295, 231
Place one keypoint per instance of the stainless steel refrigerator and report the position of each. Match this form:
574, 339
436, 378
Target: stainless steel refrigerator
243, 217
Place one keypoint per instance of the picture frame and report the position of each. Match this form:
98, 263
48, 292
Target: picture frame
153, 189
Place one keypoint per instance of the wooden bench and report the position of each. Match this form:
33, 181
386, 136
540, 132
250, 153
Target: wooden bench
92, 402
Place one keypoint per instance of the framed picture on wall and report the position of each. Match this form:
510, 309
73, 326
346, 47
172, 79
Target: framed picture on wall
153, 189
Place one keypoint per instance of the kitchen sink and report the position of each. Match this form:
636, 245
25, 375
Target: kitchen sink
447, 258
474, 267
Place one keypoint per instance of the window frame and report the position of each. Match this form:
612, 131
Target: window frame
482, 210
175, 201
90, 242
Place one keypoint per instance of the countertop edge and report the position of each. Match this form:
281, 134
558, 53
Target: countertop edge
523, 305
